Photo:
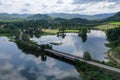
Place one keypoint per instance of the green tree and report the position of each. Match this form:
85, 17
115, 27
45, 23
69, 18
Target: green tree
87, 56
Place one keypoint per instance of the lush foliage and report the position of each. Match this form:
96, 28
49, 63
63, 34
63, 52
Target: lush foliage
89, 72
113, 35
87, 56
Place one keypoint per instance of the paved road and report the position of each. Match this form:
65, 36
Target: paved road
101, 65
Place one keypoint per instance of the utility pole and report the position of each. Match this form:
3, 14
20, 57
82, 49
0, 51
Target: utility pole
94, 54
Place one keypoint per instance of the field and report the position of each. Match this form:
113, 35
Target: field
115, 23
49, 31
55, 31
108, 25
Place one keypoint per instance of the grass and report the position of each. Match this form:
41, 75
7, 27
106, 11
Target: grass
115, 23
9, 36
108, 25
71, 31
49, 31
6, 34
114, 55
55, 31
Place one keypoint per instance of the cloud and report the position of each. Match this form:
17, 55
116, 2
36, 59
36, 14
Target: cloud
5, 56
59, 6
7, 72
89, 1
25, 10
27, 4
93, 7
0, 3
59, 2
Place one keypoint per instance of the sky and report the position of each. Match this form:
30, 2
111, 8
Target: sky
88, 7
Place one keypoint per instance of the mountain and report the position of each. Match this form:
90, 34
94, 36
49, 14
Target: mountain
78, 20
5, 16
88, 17
115, 17
39, 17
69, 22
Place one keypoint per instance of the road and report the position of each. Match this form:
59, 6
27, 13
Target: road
101, 65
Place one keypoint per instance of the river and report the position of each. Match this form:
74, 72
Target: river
73, 44
17, 65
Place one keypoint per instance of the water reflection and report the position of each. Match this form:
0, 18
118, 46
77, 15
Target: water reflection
16, 65
73, 44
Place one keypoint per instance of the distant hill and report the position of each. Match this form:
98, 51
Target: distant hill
88, 17
114, 18
69, 22
78, 20
39, 17
5, 16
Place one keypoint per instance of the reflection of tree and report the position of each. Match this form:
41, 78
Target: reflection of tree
61, 32
43, 57
83, 34
61, 35
84, 37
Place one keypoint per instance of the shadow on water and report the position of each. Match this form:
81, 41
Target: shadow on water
43, 54
44, 58
84, 37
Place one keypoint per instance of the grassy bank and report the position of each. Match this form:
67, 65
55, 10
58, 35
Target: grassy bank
10, 36
49, 31
109, 25
114, 54
6, 34
55, 31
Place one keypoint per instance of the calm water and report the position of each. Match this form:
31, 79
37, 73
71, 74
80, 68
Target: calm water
73, 44
16, 65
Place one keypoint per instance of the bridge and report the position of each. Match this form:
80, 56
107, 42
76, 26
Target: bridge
72, 58
61, 56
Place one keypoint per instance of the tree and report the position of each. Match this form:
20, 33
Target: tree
87, 56
83, 33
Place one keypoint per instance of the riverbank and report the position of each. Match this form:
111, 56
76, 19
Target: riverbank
88, 72
113, 58
114, 55
112, 31
10, 36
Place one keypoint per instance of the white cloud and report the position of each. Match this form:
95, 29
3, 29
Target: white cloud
8, 73
59, 6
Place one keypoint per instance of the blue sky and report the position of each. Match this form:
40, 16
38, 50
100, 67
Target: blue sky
88, 7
